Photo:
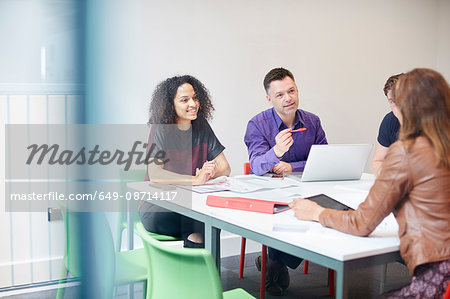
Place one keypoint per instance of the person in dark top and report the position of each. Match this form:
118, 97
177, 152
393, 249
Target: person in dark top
179, 113
389, 127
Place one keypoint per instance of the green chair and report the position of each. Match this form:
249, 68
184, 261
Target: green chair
127, 176
182, 272
113, 268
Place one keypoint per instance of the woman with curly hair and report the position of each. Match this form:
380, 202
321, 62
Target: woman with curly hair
414, 184
179, 114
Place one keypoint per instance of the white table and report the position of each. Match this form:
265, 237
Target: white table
327, 247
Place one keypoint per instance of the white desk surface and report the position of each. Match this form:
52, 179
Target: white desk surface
310, 235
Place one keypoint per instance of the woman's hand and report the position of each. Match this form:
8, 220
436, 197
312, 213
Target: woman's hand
206, 173
306, 209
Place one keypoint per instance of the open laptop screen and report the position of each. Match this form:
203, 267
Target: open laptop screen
336, 162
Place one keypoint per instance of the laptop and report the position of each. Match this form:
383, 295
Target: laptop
336, 162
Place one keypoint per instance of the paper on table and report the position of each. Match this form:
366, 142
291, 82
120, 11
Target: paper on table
287, 222
290, 227
357, 186
240, 184
266, 182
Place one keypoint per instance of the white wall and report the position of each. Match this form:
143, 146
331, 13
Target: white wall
26, 27
443, 38
341, 53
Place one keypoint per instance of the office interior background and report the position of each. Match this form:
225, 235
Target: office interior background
65, 61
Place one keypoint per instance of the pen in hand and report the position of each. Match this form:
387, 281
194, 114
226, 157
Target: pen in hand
297, 130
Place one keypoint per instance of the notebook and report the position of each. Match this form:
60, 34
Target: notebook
335, 162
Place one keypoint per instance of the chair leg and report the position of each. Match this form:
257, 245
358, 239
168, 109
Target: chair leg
144, 289
383, 278
118, 245
331, 281
262, 287
305, 267
241, 262
64, 274
119, 237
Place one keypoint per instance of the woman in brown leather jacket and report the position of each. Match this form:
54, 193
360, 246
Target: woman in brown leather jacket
414, 184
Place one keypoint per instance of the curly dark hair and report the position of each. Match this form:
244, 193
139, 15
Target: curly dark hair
162, 109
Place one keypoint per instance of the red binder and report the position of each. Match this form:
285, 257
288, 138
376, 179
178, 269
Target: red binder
247, 204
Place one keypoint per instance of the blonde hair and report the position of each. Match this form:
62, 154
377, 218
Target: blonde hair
423, 96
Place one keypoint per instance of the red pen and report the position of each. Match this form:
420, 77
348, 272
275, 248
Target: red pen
298, 130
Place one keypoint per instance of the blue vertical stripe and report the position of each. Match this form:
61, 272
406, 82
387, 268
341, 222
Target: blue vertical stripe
30, 215
50, 264
8, 165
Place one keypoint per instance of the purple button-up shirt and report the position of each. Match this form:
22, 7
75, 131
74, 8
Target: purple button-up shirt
260, 140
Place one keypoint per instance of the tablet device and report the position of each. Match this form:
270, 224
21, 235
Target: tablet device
328, 202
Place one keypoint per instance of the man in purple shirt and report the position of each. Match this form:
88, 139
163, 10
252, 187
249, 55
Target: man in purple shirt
273, 147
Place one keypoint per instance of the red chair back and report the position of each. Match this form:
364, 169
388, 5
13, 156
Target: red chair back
247, 168
447, 292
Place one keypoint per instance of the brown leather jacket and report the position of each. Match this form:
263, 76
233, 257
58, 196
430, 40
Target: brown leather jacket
417, 192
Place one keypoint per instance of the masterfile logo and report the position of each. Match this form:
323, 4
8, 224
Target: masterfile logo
80, 152
89, 166
53, 155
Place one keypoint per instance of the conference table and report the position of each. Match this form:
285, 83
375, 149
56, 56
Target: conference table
308, 240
